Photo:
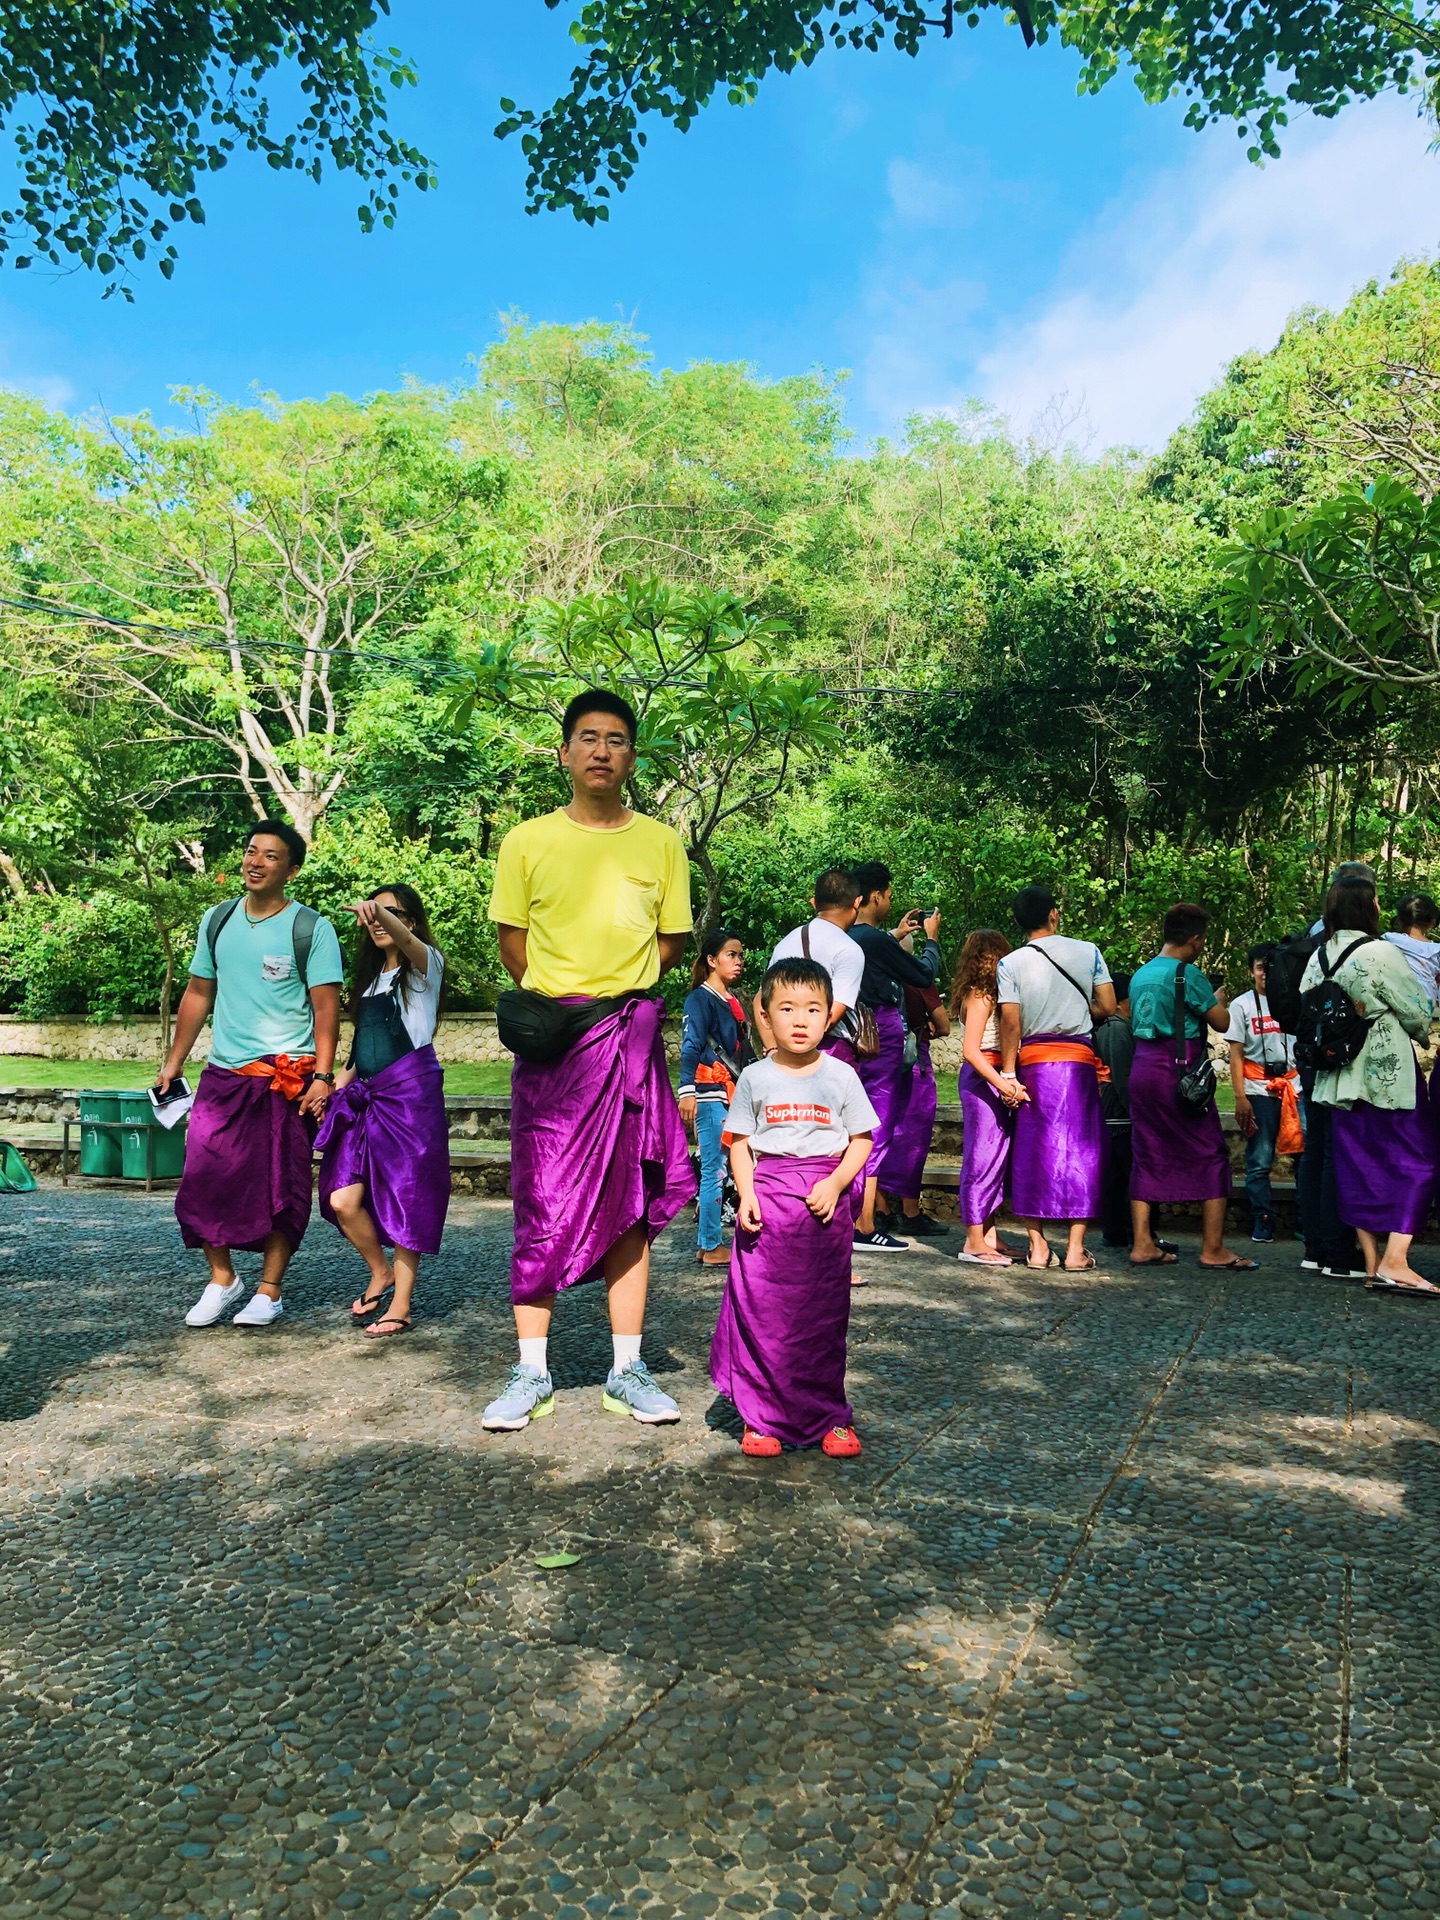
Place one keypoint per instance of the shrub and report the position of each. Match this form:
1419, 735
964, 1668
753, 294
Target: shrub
62, 954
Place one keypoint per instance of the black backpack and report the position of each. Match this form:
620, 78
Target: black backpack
1329, 1033
302, 933
1284, 971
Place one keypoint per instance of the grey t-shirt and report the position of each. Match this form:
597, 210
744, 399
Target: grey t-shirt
799, 1115
1048, 1003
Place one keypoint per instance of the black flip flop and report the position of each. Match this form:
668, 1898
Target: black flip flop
1237, 1265
1161, 1259
394, 1321
368, 1306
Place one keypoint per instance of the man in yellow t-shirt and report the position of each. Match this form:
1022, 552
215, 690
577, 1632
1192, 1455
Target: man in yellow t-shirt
592, 901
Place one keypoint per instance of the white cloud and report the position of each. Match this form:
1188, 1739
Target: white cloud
1150, 307
922, 197
1159, 292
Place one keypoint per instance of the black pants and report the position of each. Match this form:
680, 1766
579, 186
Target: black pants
1115, 1192
1326, 1239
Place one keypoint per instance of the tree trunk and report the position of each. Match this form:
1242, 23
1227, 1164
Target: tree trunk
168, 947
14, 879
710, 912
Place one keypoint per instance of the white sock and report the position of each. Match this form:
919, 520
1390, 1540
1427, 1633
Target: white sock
532, 1354
627, 1350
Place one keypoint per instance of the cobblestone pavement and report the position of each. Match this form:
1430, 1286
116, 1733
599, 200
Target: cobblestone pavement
1130, 1606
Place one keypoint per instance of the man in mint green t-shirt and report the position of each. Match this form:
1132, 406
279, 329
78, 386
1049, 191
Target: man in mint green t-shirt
266, 972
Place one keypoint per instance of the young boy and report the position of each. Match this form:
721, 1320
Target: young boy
799, 1132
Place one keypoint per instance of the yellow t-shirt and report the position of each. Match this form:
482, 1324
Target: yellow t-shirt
591, 901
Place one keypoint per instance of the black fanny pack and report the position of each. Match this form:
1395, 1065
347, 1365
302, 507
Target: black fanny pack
538, 1028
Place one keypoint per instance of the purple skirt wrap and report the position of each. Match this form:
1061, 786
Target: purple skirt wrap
778, 1354
247, 1165
902, 1168
596, 1147
1057, 1156
989, 1126
388, 1134
882, 1080
839, 1047
1385, 1164
1177, 1155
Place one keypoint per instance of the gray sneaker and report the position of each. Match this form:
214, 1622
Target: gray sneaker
528, 1396
635, 1392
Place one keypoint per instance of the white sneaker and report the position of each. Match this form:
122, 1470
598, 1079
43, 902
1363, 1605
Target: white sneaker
259, 1312
213, 1302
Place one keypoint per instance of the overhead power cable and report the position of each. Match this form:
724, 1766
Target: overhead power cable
406, 663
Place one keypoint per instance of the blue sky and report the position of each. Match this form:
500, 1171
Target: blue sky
960, 224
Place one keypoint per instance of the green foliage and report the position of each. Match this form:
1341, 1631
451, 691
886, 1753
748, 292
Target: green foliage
64, 954
116, 111
659, 57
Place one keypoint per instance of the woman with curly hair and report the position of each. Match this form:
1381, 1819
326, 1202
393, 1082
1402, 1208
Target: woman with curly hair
987, 1100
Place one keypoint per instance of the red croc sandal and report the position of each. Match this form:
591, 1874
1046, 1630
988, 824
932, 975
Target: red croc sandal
760, 1446
841, 1443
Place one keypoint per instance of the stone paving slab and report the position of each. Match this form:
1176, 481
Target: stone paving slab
1126, 1608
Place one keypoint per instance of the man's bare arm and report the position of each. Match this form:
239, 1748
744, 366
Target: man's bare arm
1009, 1035
1103, 1002
672, 949
190, 1017
512, 951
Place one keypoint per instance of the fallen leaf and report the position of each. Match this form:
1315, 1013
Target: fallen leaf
550, 1560
918, 1666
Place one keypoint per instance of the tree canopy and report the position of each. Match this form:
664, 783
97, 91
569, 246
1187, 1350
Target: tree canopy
117, 113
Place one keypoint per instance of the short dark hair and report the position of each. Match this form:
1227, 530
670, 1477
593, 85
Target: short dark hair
1183, 921
1415, 910
836, 887
599, 700
797, 973
1121, 984
1351, 907
1262, 950
1032, 907
871, 877
281, 830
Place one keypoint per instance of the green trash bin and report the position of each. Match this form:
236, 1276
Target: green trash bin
138, 1120
99, 1151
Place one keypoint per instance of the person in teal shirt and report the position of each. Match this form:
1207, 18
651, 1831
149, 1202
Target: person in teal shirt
274, 1011
1152, 1000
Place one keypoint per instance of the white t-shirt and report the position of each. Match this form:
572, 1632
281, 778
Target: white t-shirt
1424, 958
420, 1004
1259, 1035
1048, 1003
799, 1116
833, 949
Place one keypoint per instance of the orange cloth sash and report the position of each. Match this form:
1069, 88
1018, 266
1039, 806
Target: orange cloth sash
1291, 1137
1080, 1053
286, 1076
715, 1076
991, 1055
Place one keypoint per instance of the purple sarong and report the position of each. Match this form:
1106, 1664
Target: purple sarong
881, 1079
1057, 1154
1385, 1164
778, 1354
838, 1046
912, 1124
1176, 1156
989, 1126
247, 1165
388, 1134
596, 1147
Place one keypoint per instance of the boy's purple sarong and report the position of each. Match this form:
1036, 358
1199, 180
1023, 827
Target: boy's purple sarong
778, 1354
902, 1169
596, 1147
989, 1127
247, 1165
882, 1079
1176, 1156
1057, 1153
1385, 1164
388, 1134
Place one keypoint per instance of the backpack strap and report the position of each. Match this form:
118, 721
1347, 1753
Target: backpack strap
1329, 971
1177, 1023
220, 918
302, 938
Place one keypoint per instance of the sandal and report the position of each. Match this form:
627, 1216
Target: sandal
1039, 1266
1236, 1265
1161, 1259
389, 1325
1381, 1283
1087, 1265
362, 1308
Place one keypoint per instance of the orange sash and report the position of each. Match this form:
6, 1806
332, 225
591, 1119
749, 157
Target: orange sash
286, 1076
991, 1055
1080, 1053
1291, 1137
715, 1076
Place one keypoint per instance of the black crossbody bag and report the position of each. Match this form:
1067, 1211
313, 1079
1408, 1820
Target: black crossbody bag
1194, 1086
538, 1028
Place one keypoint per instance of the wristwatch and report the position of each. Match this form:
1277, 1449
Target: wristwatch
329, 1078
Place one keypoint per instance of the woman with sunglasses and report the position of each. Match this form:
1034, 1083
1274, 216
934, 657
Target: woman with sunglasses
385, 1171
